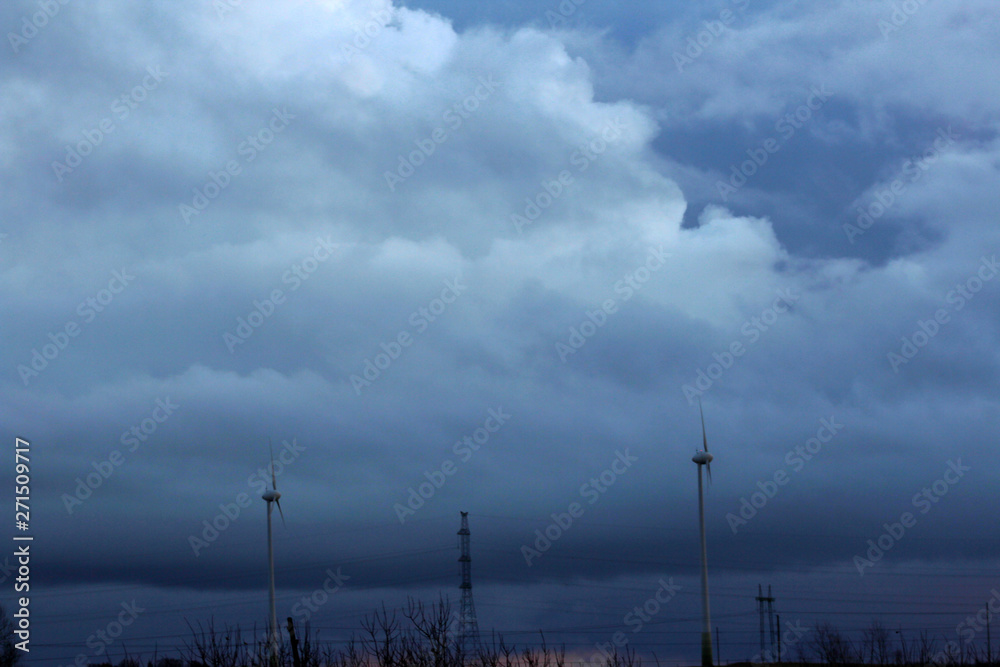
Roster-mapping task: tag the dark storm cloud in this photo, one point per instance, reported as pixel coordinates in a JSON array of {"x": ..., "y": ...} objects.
[{"x": 366, "y": 230}]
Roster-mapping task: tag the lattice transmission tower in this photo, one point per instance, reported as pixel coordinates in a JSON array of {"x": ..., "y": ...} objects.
[
  {"x": 468, "y": 626},
  {"x": 765, "y": 607}
]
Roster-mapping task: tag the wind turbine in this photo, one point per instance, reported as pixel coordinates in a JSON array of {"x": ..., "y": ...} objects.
[
  {"x": 703, "y": 458},
  {"x": 272, "y": 496}
]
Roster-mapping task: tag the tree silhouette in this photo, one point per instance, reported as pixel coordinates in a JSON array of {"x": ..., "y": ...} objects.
[{"x": 9, "y": 655}]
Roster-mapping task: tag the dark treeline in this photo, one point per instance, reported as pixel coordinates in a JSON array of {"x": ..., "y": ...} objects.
[
  {"x": 426, "y": 636},
  {"x": 877, "y": 645}
]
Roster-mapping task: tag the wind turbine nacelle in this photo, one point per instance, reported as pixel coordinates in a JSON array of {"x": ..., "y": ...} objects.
[
  {"x": 271, "y": 495},
  {"x": 702, "y": 458}
]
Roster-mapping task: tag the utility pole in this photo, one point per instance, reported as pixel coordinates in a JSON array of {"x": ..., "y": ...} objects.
[
  {"x": 779, "y": 639},
  {"x": 989, "y": 645},
  {"x": 468, "y": 628},
  {"x": 296, "y": 660},
  {"x": 760, "y": 613},
  {"x": 770, "y": 615}
]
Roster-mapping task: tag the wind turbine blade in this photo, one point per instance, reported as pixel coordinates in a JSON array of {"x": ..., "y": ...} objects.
[
  {"x": 708, "y": 468},
  {"x": 704, "y": 438},
  {"x": 278, "y": 503},
  {"x": 270, "y": 450}
]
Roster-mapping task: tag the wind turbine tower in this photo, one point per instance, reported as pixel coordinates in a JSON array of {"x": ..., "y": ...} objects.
[
  {"x": 271, "y": 496},
  {"x": 468, "y": 629},
  {"x": 703, "y": 458}
]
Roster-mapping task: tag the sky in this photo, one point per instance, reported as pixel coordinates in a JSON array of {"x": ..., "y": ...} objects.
[{"x": 489, "y": 257}]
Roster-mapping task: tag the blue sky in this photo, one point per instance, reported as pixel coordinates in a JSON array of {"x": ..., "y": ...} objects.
[{"x": 493, "y": 248}]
